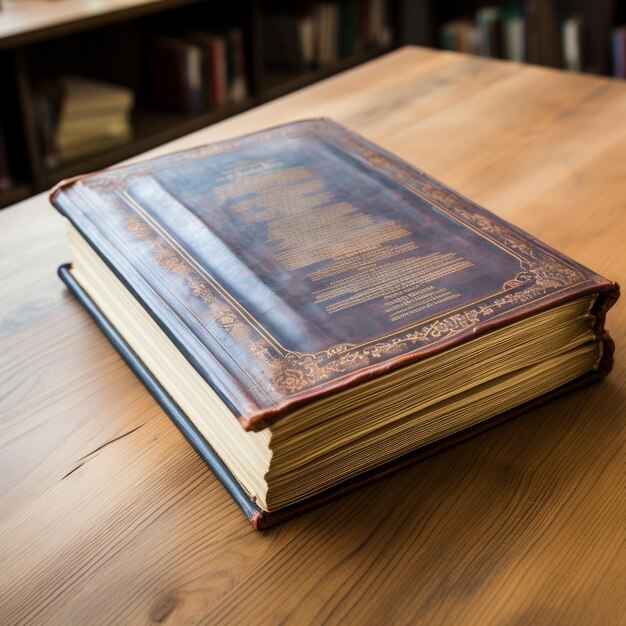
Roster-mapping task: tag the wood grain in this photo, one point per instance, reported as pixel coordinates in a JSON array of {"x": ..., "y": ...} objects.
[{"x": 107, "y": 515}]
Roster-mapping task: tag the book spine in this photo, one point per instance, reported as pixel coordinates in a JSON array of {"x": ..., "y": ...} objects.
[
  {"x": 571, "y": 44},
  {"x": 238, "y": 85},
  {"x": 5, "y": 173},
  {"x": 194, "y": 82},
  {"x": 618, "y": 48}
]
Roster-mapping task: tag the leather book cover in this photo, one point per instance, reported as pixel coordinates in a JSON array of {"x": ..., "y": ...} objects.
[{"x": 303, "y": 260}]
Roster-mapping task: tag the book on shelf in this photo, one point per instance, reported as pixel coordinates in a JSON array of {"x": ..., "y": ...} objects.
[
  {"x": 489, "y": 27},
  {"x": 225, "y": 65},
  {"x": 491, "y": 33},
  {"x": 379, "y": 30},
  {"x": 215, "y": 69},
  {"x": 543, "y": 32},
  {"x": 6, "y": 180},
  {"x": 237, "y": 75},
  {"x": 544, "y": 36},
  {"x": 313, "y": 312},
  {"x": 289, "y": 41},
  {"x": 514, "y": 33},
  {"x": 618, "y": 51},
  {"x": 520, "y": 32},
  {"x": 199, "y": 72},
  {"x": 460, "y": 36},
  {"x": 305, "y": 39},
  {"x": 77, "y": 116},
  {"x": 572, "y": 43},
  {"x": 177, "y": 78}
]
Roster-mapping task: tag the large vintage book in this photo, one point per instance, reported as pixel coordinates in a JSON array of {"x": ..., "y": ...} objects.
[{"x": 313, "y": 312}]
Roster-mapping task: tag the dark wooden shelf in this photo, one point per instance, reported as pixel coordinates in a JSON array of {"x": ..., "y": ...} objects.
[{"x": 279, "y": 82}]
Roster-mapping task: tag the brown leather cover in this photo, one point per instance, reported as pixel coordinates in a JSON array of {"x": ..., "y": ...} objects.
[{"x": 301, "y": 260}]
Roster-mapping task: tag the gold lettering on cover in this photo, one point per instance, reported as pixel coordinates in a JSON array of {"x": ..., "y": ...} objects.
[{"x": 353, "y": 256}]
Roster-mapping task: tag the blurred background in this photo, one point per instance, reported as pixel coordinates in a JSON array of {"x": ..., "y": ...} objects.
[{"x": 87, "y": 83}]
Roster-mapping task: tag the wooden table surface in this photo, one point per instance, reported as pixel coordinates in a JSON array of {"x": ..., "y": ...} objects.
[{"x": 108, "y": 516}]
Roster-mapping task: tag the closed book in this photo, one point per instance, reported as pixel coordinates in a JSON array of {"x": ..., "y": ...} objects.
[
  {"x": 514, "y": 34},
  {"x": 215, "y": 67},
  {"x": 572, "y": 43},
  {"x": 83, "y": 148},
  {"x": 460, "y": 36},
  {"x": 96, "y": 126},
  {"x": 489, "y": 23},
  {"x": 85, "y": 98},
  {"x": 289, "y": 41},
  {"x": 177, "y": 76},
  {"x": 6, "y": 181},
  {"x": 544, "y": 36},
  {"x": 238, "y": 81},
  {"x": 326, "y": 16},
  {"x": 313, "y": 312},
  {"x": 618, "y": 51}
]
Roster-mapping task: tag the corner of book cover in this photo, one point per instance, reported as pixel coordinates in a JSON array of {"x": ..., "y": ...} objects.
[
  {"x": 605, "y": 301},
  {"x": 259, "y": 521}
]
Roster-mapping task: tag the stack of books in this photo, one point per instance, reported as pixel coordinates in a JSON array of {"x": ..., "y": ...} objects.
[
  {"x": 93, "y": 116},
  {"x": 199, "y": 72},
  {"x": 328, "y": 32},
  {"x": 314, "y": 313},
  {"x": 77, "y": 117}
]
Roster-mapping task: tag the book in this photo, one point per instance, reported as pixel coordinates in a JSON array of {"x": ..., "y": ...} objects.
[
  {"x": 618, "y": 51},
  {"x": 77, "y": 116},
  {"x": 213, "y": 47},
  {"x": 177, "y": 76},
  {"x": 303, "y": 38},
  {"x": 489, "y": 25},
  {"x": 380, "y": 34},
  {"x": 572, "y": 43},
  {"x": 45, "y": 113},
  {"x": 289, "y": 41},
  {"x": 313, "y": 312},
  {"x": 326, "y": 20},
  {"x": 6, "y": 180},
  {"x": 543, "y": 32},
  {"x": 238, "y": 77},
  {"x": 84, "y": 98},
  {"x": 514, "y": 34},
  {"x": 459, "y": 36}
]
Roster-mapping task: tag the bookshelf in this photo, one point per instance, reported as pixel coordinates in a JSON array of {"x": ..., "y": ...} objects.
[
  {"x": 110, "y": 41},
  {"x": 456, "y": 25}
]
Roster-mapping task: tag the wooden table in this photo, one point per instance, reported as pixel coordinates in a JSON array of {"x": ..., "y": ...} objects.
[{"x": 108, "y": 516}]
